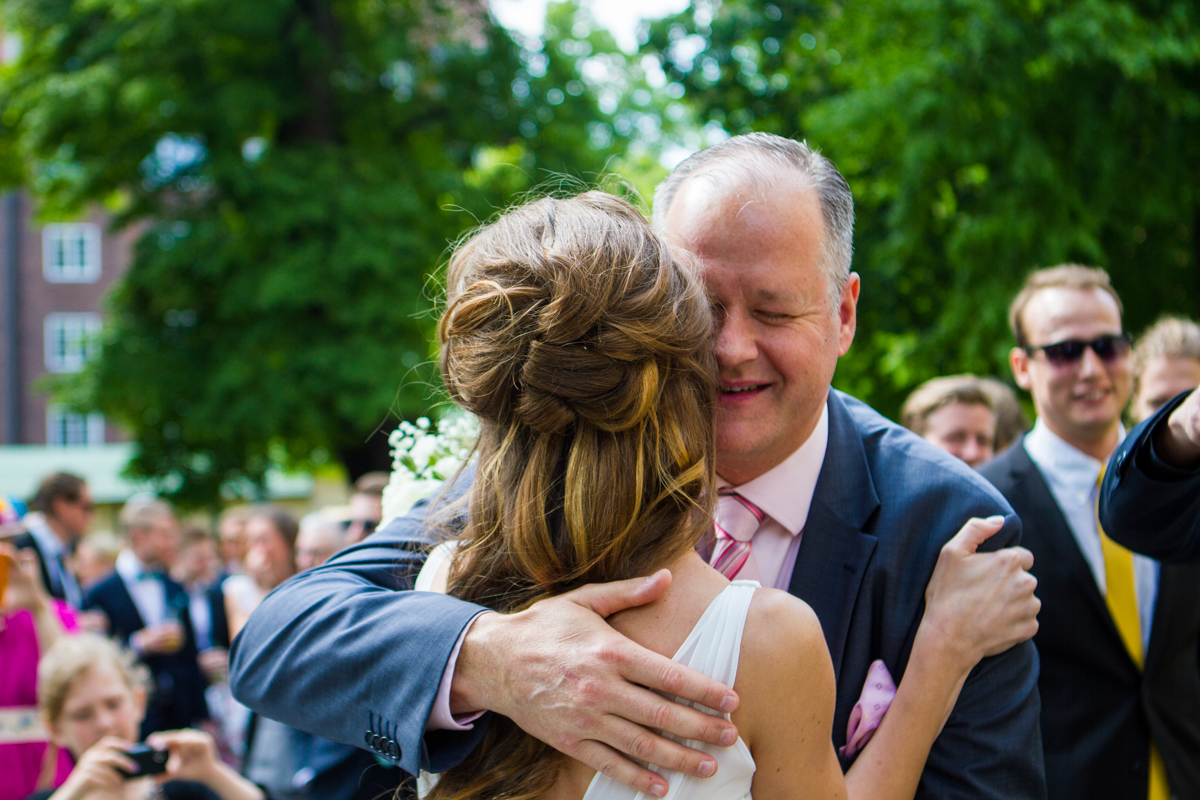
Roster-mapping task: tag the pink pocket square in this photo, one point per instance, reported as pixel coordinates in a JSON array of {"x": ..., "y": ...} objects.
[{"x": 877, "y": 695}]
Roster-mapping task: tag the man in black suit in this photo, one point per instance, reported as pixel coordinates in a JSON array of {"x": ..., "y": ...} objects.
[
  {"x": 148, "y": 612},
  {"x": 63, "y": 510},
  {"x": 1120, "y": 683}
]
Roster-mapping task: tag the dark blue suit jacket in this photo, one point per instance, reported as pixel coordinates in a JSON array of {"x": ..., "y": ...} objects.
[
  {"x": 338, "y": 651},
  {"x": 1147, "y": 505},
  {"x": 177, "y": 697}
]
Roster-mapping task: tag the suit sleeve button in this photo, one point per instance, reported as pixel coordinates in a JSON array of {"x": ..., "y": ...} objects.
[{"x": 367, "y": 738}]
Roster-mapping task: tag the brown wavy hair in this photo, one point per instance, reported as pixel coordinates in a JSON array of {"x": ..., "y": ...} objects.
[{"x": 585, "y": 350}]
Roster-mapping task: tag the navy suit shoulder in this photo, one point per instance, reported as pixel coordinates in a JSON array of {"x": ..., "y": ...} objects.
[
  {"x": 1148, "y": 506},
  {"x": 885, "y": 504},
  {"x": 392, "y": 647}
]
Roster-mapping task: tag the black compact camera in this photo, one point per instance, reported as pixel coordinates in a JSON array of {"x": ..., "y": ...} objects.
[{"x": 149, "y": 761}]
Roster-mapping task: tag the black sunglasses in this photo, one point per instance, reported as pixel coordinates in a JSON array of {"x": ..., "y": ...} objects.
[{"x": 1108, "y": 348}]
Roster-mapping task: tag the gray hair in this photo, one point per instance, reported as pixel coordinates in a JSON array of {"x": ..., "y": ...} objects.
[
  {"x": 319, "y": 522},
  {"x": 755, "y": 158}
]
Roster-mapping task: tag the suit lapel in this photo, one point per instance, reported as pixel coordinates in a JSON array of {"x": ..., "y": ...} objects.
[
  {"x": 835, "y": 551},
  {"x": 1028, "y": 480}
]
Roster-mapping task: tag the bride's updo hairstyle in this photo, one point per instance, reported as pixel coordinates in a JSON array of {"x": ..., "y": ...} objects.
[{"x": 585, "y": 350}]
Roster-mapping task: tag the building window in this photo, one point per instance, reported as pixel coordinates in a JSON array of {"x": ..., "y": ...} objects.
[
  {"x": 70, "y": 340},
  {"x": 68, "y": 429},
  {"x": 71, "y": 252}
]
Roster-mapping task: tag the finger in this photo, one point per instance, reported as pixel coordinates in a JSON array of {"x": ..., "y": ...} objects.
[
  {"x": 645, "y": 708},
  {"x": 649, "y": 669},
  {"x": 608, "y": 598},
  {"x": 605, "y": 760},
  {"x": 648, "y": 746},
  {"x": 976, "y": 532}
]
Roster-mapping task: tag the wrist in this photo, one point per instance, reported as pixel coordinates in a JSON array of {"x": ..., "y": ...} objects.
[
  {"x": 941, "y": 647},
  {"x": 473, "y": 671}
]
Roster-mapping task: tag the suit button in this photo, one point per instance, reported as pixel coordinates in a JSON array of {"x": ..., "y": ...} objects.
[
  {"x": 367, "y": 738},
  {"x": 394, "y": 750}
]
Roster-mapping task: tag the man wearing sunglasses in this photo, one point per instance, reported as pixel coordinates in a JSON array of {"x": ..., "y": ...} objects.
[{"x": 1118, "y": 632}]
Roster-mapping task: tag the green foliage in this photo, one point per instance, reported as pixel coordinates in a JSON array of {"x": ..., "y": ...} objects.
[
  {"x": 981, "y": 138},
  {"x": 297, "y": 168}
]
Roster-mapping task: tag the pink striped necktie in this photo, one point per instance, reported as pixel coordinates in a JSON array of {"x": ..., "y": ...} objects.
[{"x": 736, "y": 522}]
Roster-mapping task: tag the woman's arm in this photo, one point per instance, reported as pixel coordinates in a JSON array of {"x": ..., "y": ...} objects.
[
  {"x": 977, "y": 604},
  {"x": 785, "y": 680},
  {"x": 25, "y": 590}
]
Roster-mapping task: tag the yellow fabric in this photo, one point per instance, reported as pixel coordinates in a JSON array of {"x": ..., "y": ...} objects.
[{"x": 1122, "y": 603}]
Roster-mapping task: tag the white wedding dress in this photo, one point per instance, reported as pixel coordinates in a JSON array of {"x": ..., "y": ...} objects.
[{"x": 712, "y": 649}]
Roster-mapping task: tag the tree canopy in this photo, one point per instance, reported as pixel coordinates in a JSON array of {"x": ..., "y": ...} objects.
[
  {"x": 298, "y": 168},
  {"x": 981, "y": 139}
]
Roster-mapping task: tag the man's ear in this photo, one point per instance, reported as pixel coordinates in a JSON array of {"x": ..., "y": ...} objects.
[
  {"x": 1018, "y": 359},
  {"x": 848, "y": 313}
]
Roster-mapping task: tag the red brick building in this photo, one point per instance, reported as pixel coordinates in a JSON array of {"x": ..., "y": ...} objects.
[{"x": 53, "y": 279}]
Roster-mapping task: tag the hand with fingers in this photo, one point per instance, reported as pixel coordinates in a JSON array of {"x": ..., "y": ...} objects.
[
  {"x": 981, "y": 604},
  {"x": 24, "y": 589},
  {"x": 96, "y": 775},
  {"x": 564, "y": 676}
]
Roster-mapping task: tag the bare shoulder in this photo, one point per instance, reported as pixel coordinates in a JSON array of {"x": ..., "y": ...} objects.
[
  {"x": 784, "y": 662},
  {"x": 780, "y": 624}
]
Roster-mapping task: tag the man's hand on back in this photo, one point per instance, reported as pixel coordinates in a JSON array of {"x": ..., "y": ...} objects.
[
  {"x": 564, "y": 676},
  {"x": 1178, "y": 442}
]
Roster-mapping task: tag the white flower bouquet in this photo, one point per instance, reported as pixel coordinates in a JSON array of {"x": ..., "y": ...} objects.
[{"x": 424, "y": 456}]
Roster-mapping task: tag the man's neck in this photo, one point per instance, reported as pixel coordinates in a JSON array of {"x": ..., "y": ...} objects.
[
  {"x": 1099, "y": 446},
  {"x": 737, "y": 470}
]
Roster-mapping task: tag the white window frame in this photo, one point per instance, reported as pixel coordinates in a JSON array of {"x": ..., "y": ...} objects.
[
  {"x": 70, "y": 340},
  {"x": 69, "y": 429},
  {"x": 54, "y": 244}
]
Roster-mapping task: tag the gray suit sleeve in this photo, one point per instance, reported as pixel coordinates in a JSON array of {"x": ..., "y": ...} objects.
[
  {"x": 1148, "y": 505},
  {"x": 991, "y": 747},
  {"x": 346, "y": 652}
]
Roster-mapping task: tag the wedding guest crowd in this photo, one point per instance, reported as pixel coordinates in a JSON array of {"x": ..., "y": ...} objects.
[{"x": 157, "y": 591}]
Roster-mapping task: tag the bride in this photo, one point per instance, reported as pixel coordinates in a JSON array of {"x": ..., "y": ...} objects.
[{"x": 584, "y": 348}]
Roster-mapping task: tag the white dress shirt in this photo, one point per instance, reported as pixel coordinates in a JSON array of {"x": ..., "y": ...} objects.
[
  {"x": 1073, "y": 477},
  {"x": 148, "y": 592}
]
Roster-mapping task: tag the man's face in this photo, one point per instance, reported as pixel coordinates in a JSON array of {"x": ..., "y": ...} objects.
[
  {"x": 1081, "y": 401},
  {"x": 777, "y": 339},
  {"x": 74, "y": 517},
  {"x": 965, "y": 431},
  {"x": 157, "y": 543},
  {"x": 197, "y": 564},
  {"x": 1162, "y": 378},
  {"x": 233, "y": 540},
  {"x": 314, "y": 546}
]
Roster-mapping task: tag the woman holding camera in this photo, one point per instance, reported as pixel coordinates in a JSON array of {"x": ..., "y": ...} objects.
[{"x": 92, "y": 698}]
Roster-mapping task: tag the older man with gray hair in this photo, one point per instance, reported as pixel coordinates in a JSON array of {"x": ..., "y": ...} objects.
[
  {"x": 855, "y": 512},
  {"x": 319, "y": 538}
]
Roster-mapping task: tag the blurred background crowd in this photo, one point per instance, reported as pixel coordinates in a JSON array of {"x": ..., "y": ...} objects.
[{"x": 172, "y": 594}]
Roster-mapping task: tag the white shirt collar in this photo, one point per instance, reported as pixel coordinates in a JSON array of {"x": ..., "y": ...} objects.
[
  {"x": 129, "y": 567},
  {"x": 1063, "y": 464},
  {"x": 44, "y": 535},
  {"x": 785, "y": 492}
]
